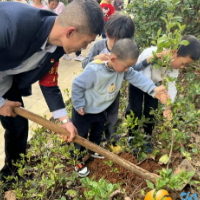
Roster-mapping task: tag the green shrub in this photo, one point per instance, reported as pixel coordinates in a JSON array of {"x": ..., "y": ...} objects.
[{"x": 147, "y": 17}]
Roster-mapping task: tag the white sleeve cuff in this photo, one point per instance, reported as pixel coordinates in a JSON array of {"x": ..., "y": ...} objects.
[
  {"x": 59, "y": 113},
  {"x": 2, "y": 101}
]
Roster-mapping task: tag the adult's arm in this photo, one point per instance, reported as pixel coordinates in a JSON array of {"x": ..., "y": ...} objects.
[
  {"x": 7, "y": 36},
  {"x": 52, "y": 93},
  {"x": 54, "y": 99}
]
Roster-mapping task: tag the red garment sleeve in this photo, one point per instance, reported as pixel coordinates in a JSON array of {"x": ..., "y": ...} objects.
[
  {"x": 112, "y": 10},
  {"x": 51, "y": 78}
]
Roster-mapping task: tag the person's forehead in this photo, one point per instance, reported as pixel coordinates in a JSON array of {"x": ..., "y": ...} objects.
[{"x": 187, "y": 59}]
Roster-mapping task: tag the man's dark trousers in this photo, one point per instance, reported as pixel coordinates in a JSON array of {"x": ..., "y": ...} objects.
[{"x": 15, "y": 135}]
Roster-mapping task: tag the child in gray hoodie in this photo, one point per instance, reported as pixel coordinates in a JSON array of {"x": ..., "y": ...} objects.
[
  {"x": 97, "y": 87},
  {"x": 118, "y": 27}
]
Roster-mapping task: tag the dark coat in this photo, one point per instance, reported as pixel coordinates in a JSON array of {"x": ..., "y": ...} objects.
[{"x": 24, "y": 29}]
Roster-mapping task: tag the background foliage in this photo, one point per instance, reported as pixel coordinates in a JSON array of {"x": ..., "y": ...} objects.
[{"x": 147, "y": 15}]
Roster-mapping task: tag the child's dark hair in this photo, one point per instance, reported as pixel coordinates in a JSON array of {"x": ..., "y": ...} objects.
[
  {"x": 192, "y": 49},
  {"x": 125, "y": 49},
  {"x": 53, "y": 0},
  {"x": 120, "y": 26}
]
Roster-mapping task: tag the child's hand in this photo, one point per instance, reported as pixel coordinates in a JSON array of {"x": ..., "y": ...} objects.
[
  {"x": 159, "y": 55},
  {"x": 81, "y": 111},
  {"x": 162, "y": 97},
  {"x": 103, "y": 57},
  {"x": 167, "y": 113},
  {"x": 160, "y": 89}
]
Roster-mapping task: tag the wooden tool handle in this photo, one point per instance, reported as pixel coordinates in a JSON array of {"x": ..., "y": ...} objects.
[{"x": 87, "y": 144}]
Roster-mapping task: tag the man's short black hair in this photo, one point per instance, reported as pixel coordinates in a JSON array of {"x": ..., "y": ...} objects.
[
  {"x": 120, "y": 26},
  {"x": 94, "y": 15},
  {"x": 192, "y": 49},
  {"x": 85, "y": 15},
  {"x": 125, "y": 49}
]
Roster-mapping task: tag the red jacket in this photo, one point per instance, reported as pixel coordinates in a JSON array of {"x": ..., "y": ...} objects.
[{"x": 108, "y": 10}]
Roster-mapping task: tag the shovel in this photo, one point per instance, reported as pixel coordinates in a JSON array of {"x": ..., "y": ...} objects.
[
  {"x": 93, "y": 147},
  {"x": 87, "y": 144}
]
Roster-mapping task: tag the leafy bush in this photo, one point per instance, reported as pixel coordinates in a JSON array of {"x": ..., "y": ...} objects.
[
  {"x": 98, "y": 190},
  {"x": 147, "y": 17}
]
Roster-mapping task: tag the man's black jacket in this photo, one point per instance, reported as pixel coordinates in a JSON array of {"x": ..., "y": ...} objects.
[{"x": 23, "y": 31}]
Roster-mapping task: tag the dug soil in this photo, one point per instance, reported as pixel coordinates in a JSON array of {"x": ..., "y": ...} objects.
[{"x": 130, "y": 182}]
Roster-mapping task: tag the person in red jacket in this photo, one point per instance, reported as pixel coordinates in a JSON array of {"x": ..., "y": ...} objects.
[{"x": 108, "y": 10}]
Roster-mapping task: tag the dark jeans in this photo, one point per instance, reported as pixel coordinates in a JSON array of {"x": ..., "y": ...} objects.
[
  {"x": 111, "y": 114},
  {"x": 78, "y": 53},
  {"x": 16, "y": 133},
  {"x": 136, "y": 99},
  {"x": 104, "y": 33},
  {"x": 92, "y": 122}
]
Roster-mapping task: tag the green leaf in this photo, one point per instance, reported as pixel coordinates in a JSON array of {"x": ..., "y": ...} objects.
[
  {"x": 164, "y": 19},
  {"x": 72, "y": 193},
  {"x": 169, "y": 102},
  {"x": 150, "y": 184},
  {"x": 91, "y": 193},
  {"x": 191, "y": 173},
  {"x": 59, "y": 166},
  {"x": 110, "y": 187},
  {"x": 167, "y": 2},
  {"x": 164, "y": 159},
  {"x": 184, "y": 42},
  {"x": 154, "y": 54},
  {"x": 159, "y": 32}
]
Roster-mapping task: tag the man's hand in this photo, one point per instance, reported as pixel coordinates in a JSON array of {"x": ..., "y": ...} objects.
[
  {"x": 81, "y": 111},
  {"x": 167, "y": 113},
  {"x": 103, "y": 57},
  {"x": 162, "y": 97},
  {"x": 7, "y": 109},
  {"x": 72, "y": 130}
]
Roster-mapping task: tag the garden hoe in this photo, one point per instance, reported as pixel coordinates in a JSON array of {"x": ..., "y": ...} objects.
[{"x": 87, "y": 144}]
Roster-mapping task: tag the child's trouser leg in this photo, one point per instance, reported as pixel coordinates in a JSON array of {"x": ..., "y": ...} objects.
[
  {"x": 78, "y": 53},
  {"x": 83, "y": 125},
  {"x": 135, "y": 104},
  {"x": 104, "y": 33},
  {"x": 149, "y": 104},
  {"x": 97, "y": 128},
  {"x": 111, "y": 119}
]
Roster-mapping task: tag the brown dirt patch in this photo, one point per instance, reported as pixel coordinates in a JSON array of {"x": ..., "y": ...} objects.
[{"x": 129, "y": 181}]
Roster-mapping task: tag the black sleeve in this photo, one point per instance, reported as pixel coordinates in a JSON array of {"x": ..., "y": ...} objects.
[
  {"x": 141, "y": 65},
  {"x": 53, "y": 97},
  {"x": 8, "y": 32}
]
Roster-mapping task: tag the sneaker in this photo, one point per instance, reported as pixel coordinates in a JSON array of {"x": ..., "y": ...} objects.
[
  {"x": 148, "y": 147},
  {"x": 67, "y": 57},
  {"x": 96, "y": 155},
  {"x": 81, "y": 169},
  {"x": 130, "y": 141},
  {"x": 79, "y": 58}
]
